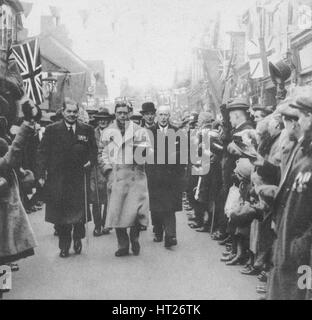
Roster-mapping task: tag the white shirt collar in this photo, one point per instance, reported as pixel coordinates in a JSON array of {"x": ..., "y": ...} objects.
[{"x": 71, "y": 125}]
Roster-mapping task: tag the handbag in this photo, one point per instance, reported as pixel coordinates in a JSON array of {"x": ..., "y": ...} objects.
[{"x": 233, "y": 201}]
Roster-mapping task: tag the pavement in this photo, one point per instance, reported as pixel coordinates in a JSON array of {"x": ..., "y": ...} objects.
[{"x": 191, "y": 270}]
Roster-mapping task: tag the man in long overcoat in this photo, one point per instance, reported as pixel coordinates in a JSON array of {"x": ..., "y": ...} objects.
[
  {"x": 165, "y": 182},
  {"x": 128, "y": 202},
  {"x": 66, "y": 151}
]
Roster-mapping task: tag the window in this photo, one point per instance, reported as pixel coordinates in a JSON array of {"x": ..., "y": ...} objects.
[{"x": 7, "y": 26}]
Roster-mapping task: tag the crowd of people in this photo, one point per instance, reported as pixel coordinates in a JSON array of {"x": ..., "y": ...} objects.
[{"x": 252, "y": 196}]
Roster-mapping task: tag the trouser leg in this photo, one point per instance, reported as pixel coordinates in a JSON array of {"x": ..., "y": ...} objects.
[
  {"x": 158, "y": 223},
  {"x": 96, "y": 212},
  {"x": 122, "y": 238},
  {"x": 104, "y": 214},
  {"x": 64, "y": 231},
  {"x": 134, "y": 234},
  {"x": 79, "y": 231},
  {"x": 170, "y": 225}
]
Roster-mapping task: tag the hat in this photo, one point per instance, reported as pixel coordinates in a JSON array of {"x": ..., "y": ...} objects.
[
  {"x": 193, "y": 117},
  {"x": 279, "y": 70},
  {"x": 46, "y": 117},
  {"x": 136, "y": 116},
  {"x": 243, "y": 168},
  {"x": 102, "y": 114},
  {"x": 286, "y": 110},
  {"x": 265, "y": 109},
  {"x": 58, "y": 115},
  {"x": 205, "y": 117},
  {"x": 238, "y": 104},
  {"x": 302, "y": 103},
  {"x": 148, "y": 107}
]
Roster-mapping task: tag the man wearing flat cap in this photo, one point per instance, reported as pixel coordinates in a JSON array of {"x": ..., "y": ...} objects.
[
  {"x": 67, "y": 150},
  {"x": 292, "y": 212}
]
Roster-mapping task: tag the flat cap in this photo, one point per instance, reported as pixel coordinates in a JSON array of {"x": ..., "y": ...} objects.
[
  {"x": 285, "y": 109},
  {"x": 238, "y": 104}
]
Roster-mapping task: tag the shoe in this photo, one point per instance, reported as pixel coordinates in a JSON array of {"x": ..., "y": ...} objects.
[
  {"x": 158, "y": 239},
  {"x": 225, "y": 241},
  {"x": 251, "y": 271},
  {"x": 106, "y": 231},
  {"x": 136, "y": 248},
  {"x": 221, "y": 236},
  {"x": 226, "y": 253},
  {"x": 194, "y": 225},
  {"x": 169, "y": 242},
  {"x": 203, "y": 229},
  {"x": 263, "y": 277},
  {"x": 261, "y": 289},
  {"x": 77, "y": 246},
  {"x": 228, "y": 258},
  {"x": 64, "y": 253},
  {"x": 97, "y": 232},
  {"x": 122, "y": 252},
  {"x": 236, "y": 260}
]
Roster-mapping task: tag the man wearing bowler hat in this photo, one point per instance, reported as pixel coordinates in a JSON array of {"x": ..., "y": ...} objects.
[
  {"x": 148, "y": 113},
  {"x": 67, "y": 150},
  {"x": 98, "y": 197}
]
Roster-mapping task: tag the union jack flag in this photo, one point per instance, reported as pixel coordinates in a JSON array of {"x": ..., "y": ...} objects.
[{"x": 27, "y": 56}]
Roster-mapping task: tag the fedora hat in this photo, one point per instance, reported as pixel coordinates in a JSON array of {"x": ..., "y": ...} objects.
[
  {"x": 279, "y": 70},
  {"x": 102, "y": 114},
  {"x": 148, "y": 107}
]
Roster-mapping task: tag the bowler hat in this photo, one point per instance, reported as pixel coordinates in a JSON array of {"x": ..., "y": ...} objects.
[
  {"x": 148, "y": 107},
  {"x": 238, "y": 104},
  {"x": 279, "y": 70}
]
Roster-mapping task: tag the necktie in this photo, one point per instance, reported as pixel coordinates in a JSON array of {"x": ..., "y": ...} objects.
[{"x": 71, "y": 132}]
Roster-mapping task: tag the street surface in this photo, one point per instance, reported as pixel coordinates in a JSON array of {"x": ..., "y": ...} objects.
[{"x": 192, "y": 270}]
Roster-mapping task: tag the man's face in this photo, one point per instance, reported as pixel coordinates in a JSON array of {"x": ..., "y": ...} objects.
[
  {"x": 258, "y": 116},
  {"x": 292, "y": 127},
  {"x": 163, "y": 118},
  {"x": 70, "y": 113},
  {"x": 122, "y": 114},
  {"x": 103, "y": 123},
  {"x": 305, "y": 120},
  {"x": 149, "y": 117},
  {"x": 233, "y": 118}
]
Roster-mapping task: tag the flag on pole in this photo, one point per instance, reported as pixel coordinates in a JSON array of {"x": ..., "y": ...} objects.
[{"x": 27, "y": 56}]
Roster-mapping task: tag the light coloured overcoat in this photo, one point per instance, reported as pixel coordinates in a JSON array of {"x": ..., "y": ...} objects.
[{"x": 127, "y": 192}]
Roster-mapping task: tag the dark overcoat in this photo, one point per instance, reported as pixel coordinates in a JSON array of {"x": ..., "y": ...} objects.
[
  {"x": 62, "y": 158},
  {"x": 292, "y": 215},
  {"x": 165, "y": 180}
]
